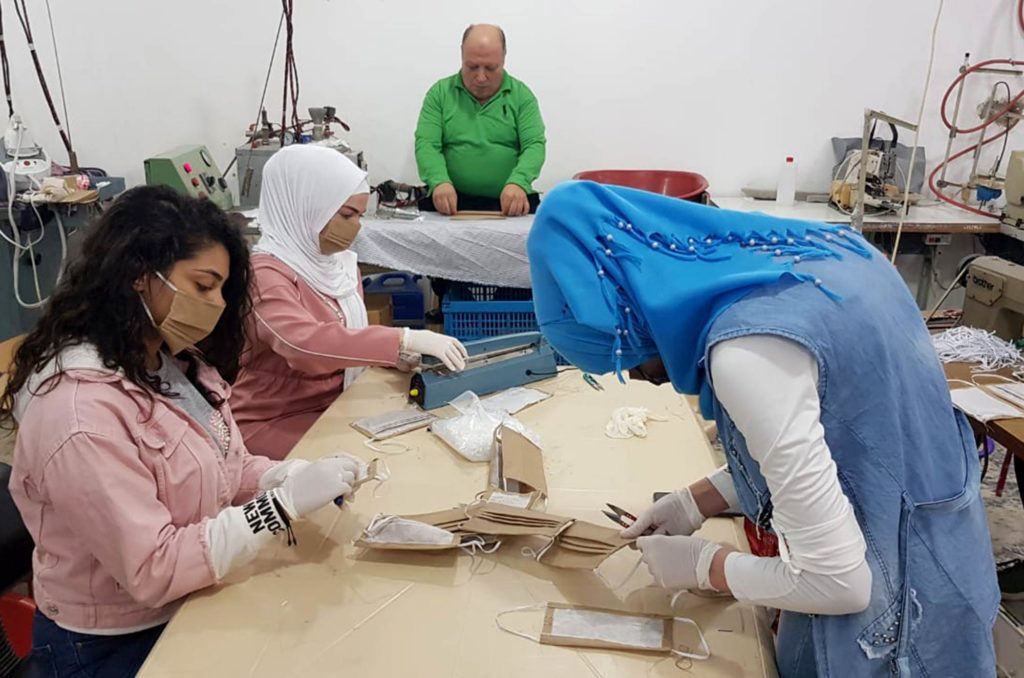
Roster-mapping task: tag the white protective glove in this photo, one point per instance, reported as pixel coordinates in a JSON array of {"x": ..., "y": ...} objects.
[
  {"x": 317, "y": 484},
  {"x": 448, "y": 350},
  {"x": 236, "y": 534},
  {"x": 679, "y": 562},
  {"x": 278, "y": 473},
  {"x": 674, "y": 514}
]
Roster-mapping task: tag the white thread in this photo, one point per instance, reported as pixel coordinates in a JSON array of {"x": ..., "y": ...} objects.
[
  {"x": 523, "y": 608},
  {"x": 373, "y": 443}
]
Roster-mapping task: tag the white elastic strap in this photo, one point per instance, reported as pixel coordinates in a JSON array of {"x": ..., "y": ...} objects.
[
  {"x": 477, "y": 547},
  {"x": 333, "y": 356},
  {"x": 972, "y": 345},
  {"x": 381, "y": 446},
  {"x": 383, "y": 474},
  {"x": 705, "y": 650},
  {"x": 537, "y": 555},
  {"x": 625, "y": 580},
  {"x": 524, "y": 608}
]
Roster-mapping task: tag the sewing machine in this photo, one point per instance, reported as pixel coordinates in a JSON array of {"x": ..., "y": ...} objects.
[
  {"x": 494, "y": 364},
  {"x": 995, "y": 297}
]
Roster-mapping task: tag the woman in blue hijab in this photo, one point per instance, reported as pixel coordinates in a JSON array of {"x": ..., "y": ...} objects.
[{"x": 805, "y": 346}]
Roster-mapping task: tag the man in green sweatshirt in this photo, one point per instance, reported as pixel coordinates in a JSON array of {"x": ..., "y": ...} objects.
[{"x": 480, "y": 137}]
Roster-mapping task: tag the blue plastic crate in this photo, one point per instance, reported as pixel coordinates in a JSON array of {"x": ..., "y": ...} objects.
[{"x": 482, "y": 311}]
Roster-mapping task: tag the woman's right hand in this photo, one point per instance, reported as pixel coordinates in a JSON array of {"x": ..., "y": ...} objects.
[
  {"x": 674, "y": 514},
  {"x": 448, "y": 350}
]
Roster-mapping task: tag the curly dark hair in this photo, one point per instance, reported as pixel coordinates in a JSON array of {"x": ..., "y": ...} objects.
[{"x": 146, "y": 230}]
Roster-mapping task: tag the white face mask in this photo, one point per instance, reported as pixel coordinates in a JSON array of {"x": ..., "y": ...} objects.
[
  {"x": 400, "y": 531},
  {"x": 588, "y": 627},
  {"x": 391, "y": 424},
  {"x": 980, "y": 405}
]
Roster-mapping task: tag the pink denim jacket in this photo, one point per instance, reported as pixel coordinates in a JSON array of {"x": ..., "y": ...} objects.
[
  {"x": 117, "y": 501},
  {"x": 294, "y": 365}
]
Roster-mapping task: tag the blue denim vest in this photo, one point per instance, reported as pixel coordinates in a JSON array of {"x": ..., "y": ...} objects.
[{"x": 907, "y": 462}]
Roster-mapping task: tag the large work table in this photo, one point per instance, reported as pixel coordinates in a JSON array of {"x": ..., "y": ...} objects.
[
  {"x": 493, "y": 251},
  {"x": 328, "y": 608}
]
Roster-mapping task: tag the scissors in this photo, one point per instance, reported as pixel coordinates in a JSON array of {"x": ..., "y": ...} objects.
[
  {"x": 619, "y": 516},
  {"x": 589, "y": 378}
]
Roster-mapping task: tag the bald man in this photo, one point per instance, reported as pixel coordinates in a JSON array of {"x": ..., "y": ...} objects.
[{"x": 480, "y": 138}]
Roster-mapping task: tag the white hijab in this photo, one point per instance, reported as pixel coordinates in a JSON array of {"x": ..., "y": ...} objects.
[{"x": 303, "y": 186}]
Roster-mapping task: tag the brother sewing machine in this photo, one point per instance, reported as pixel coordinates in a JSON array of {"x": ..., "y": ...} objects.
[
  {"x": 494, "y": 364},
  {"x": 995, "y": 297}
]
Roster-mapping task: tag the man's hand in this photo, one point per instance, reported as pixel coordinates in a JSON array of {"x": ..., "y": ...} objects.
[
  {"x": 446, "y": 201},
  {"x": 514, "y": 202}
]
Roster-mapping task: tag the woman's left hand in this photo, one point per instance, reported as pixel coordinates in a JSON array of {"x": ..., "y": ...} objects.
[{"x": 678, "y": 562}]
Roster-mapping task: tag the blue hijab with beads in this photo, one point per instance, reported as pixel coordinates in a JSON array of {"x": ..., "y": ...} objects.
[{"x": 621, "y": 276}]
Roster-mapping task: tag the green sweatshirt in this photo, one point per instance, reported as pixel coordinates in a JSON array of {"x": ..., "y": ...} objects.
[{"x": 480, "y": 148}]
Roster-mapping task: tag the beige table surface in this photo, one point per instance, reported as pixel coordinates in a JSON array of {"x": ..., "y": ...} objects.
[{"x": 326, "y": 608}]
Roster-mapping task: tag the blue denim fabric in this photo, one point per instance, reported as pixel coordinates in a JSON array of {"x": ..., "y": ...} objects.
[
  {"x": 57, "y": 653},
  {"x": 905, "y": 459}
]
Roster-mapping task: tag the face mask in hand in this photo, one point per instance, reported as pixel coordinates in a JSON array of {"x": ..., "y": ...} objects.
[
  {"x": 573, "y": 626},
  {"x": 403, "y": 534},
  {"x": 188, "y": 321},
  {"x": 399, "y": 533}
]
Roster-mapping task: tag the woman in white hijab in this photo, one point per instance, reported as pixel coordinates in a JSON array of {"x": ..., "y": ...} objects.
[{"x": 308, "y": 339}]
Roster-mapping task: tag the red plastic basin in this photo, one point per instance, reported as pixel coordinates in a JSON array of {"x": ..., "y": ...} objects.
[{"x": 674, "y": 183}]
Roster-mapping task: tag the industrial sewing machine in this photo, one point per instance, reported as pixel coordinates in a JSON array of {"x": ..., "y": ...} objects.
[
  {"x": 494, "y": 364},
  {"x": 995, "y": 297}
]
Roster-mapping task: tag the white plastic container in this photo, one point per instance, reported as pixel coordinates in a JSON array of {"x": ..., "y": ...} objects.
[{"x": 785, "y": 192}]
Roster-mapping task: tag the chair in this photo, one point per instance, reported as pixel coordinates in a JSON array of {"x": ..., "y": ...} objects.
[
  {"x": 674, "y": 183},
  {"x": 15, "y": 541}
]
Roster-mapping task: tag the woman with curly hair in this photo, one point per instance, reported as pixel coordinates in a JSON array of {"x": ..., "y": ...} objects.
[{"x": 129, "y": 470}]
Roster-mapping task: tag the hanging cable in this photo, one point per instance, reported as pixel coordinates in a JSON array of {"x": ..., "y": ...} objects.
[
  {"x": 60, "y": 73},
  {"x": 917, "y": 133},
  {"x": 22, "y": 11},
  {"x": 5, "y": 66},
  {"x": 291, "y": 76},
  {"x": 263, "y": 97}
]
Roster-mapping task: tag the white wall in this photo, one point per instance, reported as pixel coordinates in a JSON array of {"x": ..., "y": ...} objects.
[{"x": 726, "y": 88}]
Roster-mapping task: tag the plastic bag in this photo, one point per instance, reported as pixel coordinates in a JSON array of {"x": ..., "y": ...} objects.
[{"x": 471, "y": 432}]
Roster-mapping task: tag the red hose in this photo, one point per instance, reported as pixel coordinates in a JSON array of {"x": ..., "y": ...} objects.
[
  {"x": 1006, "y": 109},
  {"x": 1020, "y": 14},
  {"x": 957, "y": 203}
]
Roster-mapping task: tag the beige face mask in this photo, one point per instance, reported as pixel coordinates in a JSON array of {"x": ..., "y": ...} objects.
[
  {"x": 188, "y": 321},
  {"x": 340, "y": 233}
]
